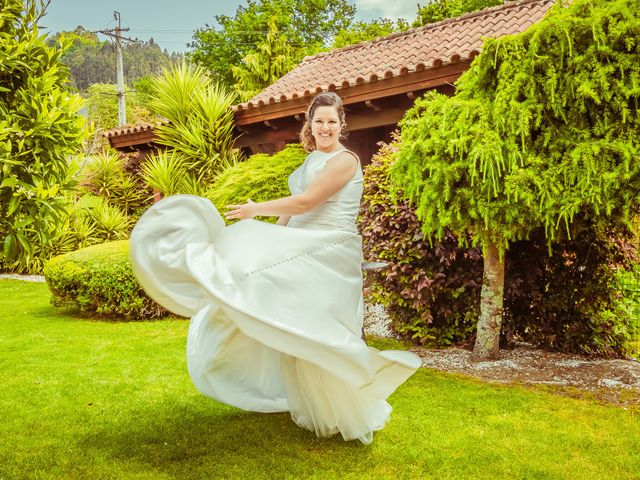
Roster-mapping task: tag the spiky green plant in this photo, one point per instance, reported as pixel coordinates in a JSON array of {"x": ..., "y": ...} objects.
[
  {"x": 110, "y": 222},
  {"x": 104, "y": 174},
  {"x": 200, "y": 119},
  {"x": 166, "y": 172}
]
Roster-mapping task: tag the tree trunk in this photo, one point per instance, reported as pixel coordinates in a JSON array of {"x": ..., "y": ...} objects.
[{"x": 487, "y": 346}]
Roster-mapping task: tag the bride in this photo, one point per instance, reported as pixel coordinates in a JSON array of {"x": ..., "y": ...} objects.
[{"x": 276, "y": 313}]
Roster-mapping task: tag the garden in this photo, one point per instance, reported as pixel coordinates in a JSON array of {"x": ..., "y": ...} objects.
[{"x": 507, "y": 214}]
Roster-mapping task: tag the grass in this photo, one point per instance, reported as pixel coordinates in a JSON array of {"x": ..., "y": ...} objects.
[{"x": 90, "y": 399}]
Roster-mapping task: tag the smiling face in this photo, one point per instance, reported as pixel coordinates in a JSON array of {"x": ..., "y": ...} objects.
[{"x": 325, "y": 128}]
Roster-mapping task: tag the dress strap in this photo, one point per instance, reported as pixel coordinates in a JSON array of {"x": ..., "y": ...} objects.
[{"x": 333, "y": 154}]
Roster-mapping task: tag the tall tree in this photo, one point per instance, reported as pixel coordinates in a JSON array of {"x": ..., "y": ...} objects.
[
  {"x": 437, "y": 10},
  {"x": 543, "y": 133},
  {"x": 309, "y": 25},
  {"x": 272, "y": 59},
  {"x": 92, "y": 60},
  {"x": 362, "y": 31},
  {"x": 39, "y": 128}
]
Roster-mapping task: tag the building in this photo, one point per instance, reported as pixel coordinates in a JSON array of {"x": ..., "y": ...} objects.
[{"x": 377, "y": 81}]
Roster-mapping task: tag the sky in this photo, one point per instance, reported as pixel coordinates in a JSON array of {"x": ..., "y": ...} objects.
[{"x": 171, "y": 23}]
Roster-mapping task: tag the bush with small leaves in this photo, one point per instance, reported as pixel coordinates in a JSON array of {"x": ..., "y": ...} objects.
[
  {"x": 261, "y": 177},
  {"x": 99, "y": 280},
  {"x": 431, "y": 292}
]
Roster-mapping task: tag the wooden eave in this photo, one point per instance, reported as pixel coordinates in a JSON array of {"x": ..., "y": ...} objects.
[
  {"x": 133, "y": 140},
  {"x": 373, "y": 90}
]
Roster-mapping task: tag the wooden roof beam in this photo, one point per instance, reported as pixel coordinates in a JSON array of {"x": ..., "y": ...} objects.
[{"x": 372, "y": 105}]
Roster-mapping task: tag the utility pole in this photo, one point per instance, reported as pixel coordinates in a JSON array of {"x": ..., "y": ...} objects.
[{"x": 122, "y": 112}]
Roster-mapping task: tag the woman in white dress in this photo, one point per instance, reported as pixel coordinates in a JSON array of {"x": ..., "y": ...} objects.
[{"x": 276, "y": 310}]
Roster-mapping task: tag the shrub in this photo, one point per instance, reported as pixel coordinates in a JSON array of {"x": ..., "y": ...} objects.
[
  {"x": 578, "y": 299},
  {"x": 99, "y": 279},
  {"x": 105, "y": 175},
  {"x": 431, "y": 292},
  {"x": 39, "y": 129},
  {"x": 575, "y": 299},
  {"x": 261, "y": 177},
  {"x": 166, "y": 172}
]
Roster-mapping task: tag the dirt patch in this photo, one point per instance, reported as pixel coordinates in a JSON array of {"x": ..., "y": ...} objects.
[{"x": 614, "y": 381}]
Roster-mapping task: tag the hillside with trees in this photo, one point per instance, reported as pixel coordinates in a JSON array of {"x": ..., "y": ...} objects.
[{"x": 91, "y": 60}]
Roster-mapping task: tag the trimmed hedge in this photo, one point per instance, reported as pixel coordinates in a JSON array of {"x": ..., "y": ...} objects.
[
  {"x": 261, "y": 177},
  {"x": 99, "y": 279}
]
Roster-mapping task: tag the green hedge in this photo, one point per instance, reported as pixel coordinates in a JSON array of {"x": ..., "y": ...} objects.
[
  {"x": 261, "y": 177},
  {"x": 99, "y": 279}
]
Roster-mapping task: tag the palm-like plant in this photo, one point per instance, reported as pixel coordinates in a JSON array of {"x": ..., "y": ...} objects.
[
  {"x": 200, "y": 126},
  {"x": 104, "y": 174},
  {"x": 165, "y": 172},
  {"x": 110, "y": 222}
]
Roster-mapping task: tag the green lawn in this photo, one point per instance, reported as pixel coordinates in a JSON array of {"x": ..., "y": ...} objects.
[{"x": 89, "y": 399}]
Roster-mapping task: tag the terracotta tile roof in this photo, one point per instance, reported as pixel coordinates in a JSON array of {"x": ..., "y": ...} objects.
[
  {"x": 129, "y": 129},
  {"x": 428, "y": 47}
]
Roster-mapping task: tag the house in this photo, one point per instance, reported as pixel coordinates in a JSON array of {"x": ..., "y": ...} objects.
[{"x": 377, "y": 80}]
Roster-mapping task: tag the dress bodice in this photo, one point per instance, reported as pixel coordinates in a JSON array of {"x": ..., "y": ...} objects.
[{"x": 340, "y": 211}]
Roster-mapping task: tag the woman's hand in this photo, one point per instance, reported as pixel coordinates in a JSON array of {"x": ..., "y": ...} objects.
[{"x": 241, "y": 212}]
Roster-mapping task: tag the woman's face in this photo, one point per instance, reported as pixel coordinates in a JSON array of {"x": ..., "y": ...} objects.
[{"x": 325, "y": 128}]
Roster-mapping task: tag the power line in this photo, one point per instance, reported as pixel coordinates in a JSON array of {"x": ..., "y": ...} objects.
[{"x": 115, "y": 33}]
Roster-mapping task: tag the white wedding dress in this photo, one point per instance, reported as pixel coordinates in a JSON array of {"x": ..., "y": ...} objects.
[{"x": 276, "y": 312}]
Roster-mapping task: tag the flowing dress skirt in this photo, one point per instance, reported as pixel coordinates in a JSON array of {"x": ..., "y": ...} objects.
[{"x": 276, "y": 315}]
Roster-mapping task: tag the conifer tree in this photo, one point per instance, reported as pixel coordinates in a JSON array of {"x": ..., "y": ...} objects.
[
  {"x": 259, "y": 69},
  {"x": 543, "y": 132}
]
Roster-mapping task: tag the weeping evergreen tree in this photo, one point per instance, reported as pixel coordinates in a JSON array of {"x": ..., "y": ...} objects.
[
  {"x": 273, "y": 58},
  {"x": 542, "y": 133}
]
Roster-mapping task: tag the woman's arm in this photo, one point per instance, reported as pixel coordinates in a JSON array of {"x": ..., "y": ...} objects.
[{"x": 339, "y": 170}]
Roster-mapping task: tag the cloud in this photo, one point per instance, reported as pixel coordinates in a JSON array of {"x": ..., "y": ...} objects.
[{"x": 372, "y": 9}]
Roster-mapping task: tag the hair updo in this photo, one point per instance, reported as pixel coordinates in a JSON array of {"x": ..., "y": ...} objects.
[{"x": 326, "y": 99}]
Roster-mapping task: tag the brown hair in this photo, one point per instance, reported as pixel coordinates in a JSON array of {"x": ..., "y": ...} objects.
[{"x": 325, "y": 99}]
